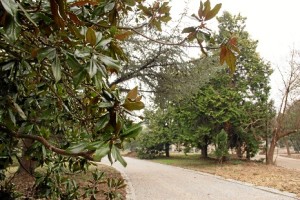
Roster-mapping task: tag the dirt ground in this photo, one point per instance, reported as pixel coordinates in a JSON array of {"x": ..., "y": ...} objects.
[
  {"x": 261, "y": 175},
  {"x": 295, "y": 156},
  {"x": 23, "y": 184}
]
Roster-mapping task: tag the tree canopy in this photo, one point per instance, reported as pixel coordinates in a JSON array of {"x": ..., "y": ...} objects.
[
  {"x": 236, "y": 103},
  {"x": 58, "y": 103}
]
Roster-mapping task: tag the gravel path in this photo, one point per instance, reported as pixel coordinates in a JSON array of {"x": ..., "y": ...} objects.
[
  {"x": 283, "y": 161},
  {"x": 289, "y": 163},
  {"x": 153, "y": 181}
]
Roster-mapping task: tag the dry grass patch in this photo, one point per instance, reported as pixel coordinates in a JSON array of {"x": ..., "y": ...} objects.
[{"x": 246, "y": 171}]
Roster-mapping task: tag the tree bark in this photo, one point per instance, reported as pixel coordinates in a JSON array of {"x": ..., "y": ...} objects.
[
  {"x": 239, "y": 152},
  {"x": 248, "y": 155},
  {"x": 167, "y": 149},
  {"x": 271, "y": 151},
  {"x": 27, "y": 165},
  {"x": 204, "y": 153},
  {"x": 287, "y": 147}
]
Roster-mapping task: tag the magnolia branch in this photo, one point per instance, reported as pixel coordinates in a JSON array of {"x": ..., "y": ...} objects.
[{"x": 43, "y": 141}]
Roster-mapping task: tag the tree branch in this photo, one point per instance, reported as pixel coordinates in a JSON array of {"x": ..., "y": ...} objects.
[
  {"x": 286, "y": 133},
  {"x": 131, "y": 74},
  {"x": 43, "y": 141},
  {"x": 162, "y": 42}
]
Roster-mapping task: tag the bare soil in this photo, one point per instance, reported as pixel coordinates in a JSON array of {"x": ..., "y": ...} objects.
[
  {"x": 261, "y": 175},
  {"x": 295, "y": 156},
  {"x": 24, "y": 183}
]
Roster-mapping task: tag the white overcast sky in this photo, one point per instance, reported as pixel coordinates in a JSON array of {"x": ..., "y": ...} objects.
[{"x": 274, "y": 23}]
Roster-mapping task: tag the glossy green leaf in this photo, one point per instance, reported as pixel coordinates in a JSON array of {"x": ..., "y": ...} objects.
[
  {"x": 164, "y": 9},
  {"x": 90, "y": 36},
  {"x": 12, "y": 116},
  {"x": 133, "y": 131},
  {"x": 157, "y": 25},
  {"x": 41, "y": 16},
  {"x": 10, "y": 6},
  {"x": 44, "y": 152},
  {"x": 97, "y": 80},
  {"x": 78, "y": 77},
  {"x": 109, "y": 7},
  {"x": 95, "y": 145},
  {"x": 19, "y": 111},
  {"x": 103, "y": 121},
  {"x": 188, "y": 30},
  {"x": 165, "y": 18},
  {"x": 47, "y": 52},
  {"x": 101, "y": 152},
  {"x": 82, "y": 53},
  {"x": 8, "y": 66},
  {"x": 27, "y": 15},
  {"x": 98, "y": 37},
  {"x": 106, "y": 105},
  {"x": 77, "y": 148},
  {"x": 111, "y": 63},
  {"x": 103, "y": 43},
  {"x": 93, "y": 66},
  {"x": 12, "y": 30},
  {"x": 56, "y": 69},
  {"x": 73, "y": 63},
  {"x": 116, "y": 155},
  {"x": 145, "y": 10}
]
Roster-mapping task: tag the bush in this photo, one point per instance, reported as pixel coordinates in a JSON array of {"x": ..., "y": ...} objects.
[
  {"x": 221, "y": 141},
  {"x": 150, "y": 152}
]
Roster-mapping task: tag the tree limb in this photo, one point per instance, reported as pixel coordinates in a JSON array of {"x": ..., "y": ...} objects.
[{"x": 43, "y": 141}]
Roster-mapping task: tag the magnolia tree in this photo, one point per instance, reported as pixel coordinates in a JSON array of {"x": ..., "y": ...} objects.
[{"x": 58, "y": 109}]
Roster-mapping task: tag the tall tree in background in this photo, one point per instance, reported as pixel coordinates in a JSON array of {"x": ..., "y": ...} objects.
[
  {"x": 292, "y": 121},
  {"x": 236, "y": 102},
  {"x": 250, "y": 80},
  {"x": 290, "y": 93}
]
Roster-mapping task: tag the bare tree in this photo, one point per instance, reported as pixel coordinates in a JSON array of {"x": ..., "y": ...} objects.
[{"x": 290, "y": 94}]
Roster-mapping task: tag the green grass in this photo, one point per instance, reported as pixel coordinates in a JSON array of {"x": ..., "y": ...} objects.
[
  {"x": 190, "y": 161},
  {"x": 195, "y": 162}
]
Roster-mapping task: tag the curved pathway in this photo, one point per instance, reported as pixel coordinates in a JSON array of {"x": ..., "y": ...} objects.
[
  {"x": 153, "y": 181},
  {"x": 287, "y": 162}
]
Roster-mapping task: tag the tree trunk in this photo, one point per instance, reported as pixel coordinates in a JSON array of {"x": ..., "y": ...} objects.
[
  {"x": 248, "y": 155},
  {"x": 271, "y": 151},
  {"x": 204, "y": 153},
  {"x": 27, "y": 165},
  {"x": 167, "y": 149},
  {"x": 287, "y": 146},
  {"x": 239, "y": 152}
]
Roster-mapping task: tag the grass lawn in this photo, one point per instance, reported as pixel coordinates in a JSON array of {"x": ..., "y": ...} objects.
[{"x": 253, "y": 172}]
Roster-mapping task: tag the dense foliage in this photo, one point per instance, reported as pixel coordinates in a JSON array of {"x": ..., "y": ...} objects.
[
  {"x": 234, "y": 103},
  {"x": 59, "y": 108}
]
